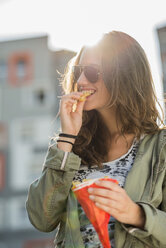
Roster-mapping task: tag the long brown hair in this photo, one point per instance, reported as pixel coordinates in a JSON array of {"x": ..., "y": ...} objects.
[{"x": 127, "y": 76}]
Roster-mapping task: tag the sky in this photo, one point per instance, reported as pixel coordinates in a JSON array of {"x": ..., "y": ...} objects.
[{"x": 73, "y": 23}]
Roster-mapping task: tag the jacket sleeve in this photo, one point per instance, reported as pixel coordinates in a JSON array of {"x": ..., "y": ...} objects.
[
  {"x": 47, "y": 196},
  {"x": 153, "y": 233}
]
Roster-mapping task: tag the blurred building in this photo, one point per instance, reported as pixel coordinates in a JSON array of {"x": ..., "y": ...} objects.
[
  {"x": 29, "y": 89},
  {"x": 162, "y": 42}
]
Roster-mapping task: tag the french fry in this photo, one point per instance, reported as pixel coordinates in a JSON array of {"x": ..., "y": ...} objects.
[
  {"x": 81, "y": 99},
  {"x": 74, "y": 107},
  {"x": 85, "y": 94}
]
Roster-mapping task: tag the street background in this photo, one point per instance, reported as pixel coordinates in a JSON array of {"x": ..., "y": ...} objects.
[{"x": 37, "y": 39}]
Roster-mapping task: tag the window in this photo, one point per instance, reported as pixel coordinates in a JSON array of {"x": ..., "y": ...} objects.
[
  {"x": 29, "y": 137},
  {"x": 17, "y": 215},
  {"x": 3, "y": 70},
  {"x": 40, "y": 96},
  {"x": 20, "y": 68}
]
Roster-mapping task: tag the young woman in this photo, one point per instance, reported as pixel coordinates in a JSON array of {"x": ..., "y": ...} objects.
[{"x": 116, "y": 132}]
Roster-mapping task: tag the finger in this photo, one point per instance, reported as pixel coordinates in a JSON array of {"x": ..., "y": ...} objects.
[
  {"x": 104, "y": 201},
  {"x": 80, "y": 106},
  {"x": 67, "y": 103},
  {"x": 117, "y": 196},
  {"x": 112, "y": 211},
  {"x": 100, "y": 191},
  {"x": 68, "y": 109},
  {"x": 73, "y": 95},
  {"x": 67, "y": 100},
  {"x": 71, "y": 99},
  {"x": 110, "y": 185}
]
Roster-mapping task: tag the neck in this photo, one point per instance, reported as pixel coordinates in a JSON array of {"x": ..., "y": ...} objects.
[
  {"x": 117, "y": 144},
  {"x": 109, "y": 118}
]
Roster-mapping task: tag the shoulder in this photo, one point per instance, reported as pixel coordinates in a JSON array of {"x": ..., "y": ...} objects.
[
  {"x": 152, "y": 148},
  {"x": 153, "y": 142},
  {"x": 158, "y": 137},
  {"x": 162, "y": 134}
]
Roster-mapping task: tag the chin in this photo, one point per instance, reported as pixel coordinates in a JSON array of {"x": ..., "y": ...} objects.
[{"x": 88, "y": 107}]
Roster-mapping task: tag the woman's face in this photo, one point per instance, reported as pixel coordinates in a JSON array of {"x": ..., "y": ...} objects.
[{"x": 100, "y": 98}]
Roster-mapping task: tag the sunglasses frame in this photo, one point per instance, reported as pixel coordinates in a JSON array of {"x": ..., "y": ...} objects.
[{"x": 82, "y": 69}]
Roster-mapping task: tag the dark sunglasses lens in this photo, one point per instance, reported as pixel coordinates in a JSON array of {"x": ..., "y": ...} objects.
[
  {"x": 91, "y": 74},
  {"x": 76, "y": 72}
]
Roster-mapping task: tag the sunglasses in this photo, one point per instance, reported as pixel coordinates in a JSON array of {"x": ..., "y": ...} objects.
[{"x": 90, "y": 72}]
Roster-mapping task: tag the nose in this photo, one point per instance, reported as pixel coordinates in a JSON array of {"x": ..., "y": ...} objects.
[{"x": 82, "y": 80}]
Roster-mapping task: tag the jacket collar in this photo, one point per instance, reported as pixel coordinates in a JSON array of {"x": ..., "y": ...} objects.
[{"x": 147, "y": 162}]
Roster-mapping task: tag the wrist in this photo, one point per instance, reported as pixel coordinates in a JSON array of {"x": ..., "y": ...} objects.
[
  {"x": 66, "y": 147},
  {"x": 72, "y": 140},
  {"x": 66, "y": 135},
  {"x": 71, "y": 132},
  {"x": 139, "y": 216}
]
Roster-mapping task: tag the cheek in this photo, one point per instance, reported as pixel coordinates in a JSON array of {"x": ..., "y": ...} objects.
[{"x": 104, "y": 94}]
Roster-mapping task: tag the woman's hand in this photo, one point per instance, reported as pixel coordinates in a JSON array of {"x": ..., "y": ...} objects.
[
  {"x": 71, "y": 122},
  {"x": 114, "y": 200}
]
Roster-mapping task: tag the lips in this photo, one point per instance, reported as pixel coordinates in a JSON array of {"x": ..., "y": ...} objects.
[{"x": 88, "y": 92}]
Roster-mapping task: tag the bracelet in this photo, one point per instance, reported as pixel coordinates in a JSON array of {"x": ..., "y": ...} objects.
[
  {"x": 68, "y": 135},
  {"x": 65, "y": 141}
]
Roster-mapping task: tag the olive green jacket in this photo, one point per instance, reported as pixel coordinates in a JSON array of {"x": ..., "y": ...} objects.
[{"x": 52, "y": 204}]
